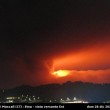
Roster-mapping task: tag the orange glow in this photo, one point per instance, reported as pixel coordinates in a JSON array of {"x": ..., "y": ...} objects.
[
  {"x": 88, "y": 65},
  {"x": 61, "y": 73},
  {"x": 87, "y": 59}
]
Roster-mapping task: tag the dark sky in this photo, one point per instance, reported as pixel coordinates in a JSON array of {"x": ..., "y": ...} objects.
[{"x": 34, "y": 33}]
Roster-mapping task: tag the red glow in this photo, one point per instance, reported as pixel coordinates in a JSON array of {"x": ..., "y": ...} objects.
[
  {"x": 88, "y": 59},
  {"x": 86, "y": 65}
]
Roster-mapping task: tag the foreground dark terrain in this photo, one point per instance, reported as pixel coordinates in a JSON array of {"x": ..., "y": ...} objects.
[{"x": 93, "y": 93}]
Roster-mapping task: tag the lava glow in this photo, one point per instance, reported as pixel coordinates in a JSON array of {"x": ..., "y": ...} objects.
[
  {"x": 61, "y": 73},
  {"x": 88, "y": 65}
]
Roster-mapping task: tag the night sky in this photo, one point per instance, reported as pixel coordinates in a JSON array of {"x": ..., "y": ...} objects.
[{"x": 38, "y": 37}]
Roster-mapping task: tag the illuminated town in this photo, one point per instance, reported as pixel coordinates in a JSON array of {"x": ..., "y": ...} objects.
[{"x": 33, "y": 99}]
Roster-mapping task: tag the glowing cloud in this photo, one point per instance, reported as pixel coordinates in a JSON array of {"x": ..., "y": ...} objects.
[{"x": 96, "y": 58}]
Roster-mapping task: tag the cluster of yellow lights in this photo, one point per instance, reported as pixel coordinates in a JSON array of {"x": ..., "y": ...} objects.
[{"x": 61, "y": 73}]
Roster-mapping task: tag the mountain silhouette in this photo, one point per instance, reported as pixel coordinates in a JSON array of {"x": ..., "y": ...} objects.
[{"x": 93, "y": 93}]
